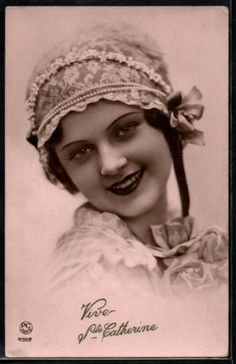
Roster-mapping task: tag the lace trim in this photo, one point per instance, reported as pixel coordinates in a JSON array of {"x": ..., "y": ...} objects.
[
  {"x": 75, "y": 55},
  {"x": 137, "y": 95}
]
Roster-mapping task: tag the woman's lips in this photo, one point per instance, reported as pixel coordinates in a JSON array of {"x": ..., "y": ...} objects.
[{"x": 127, "y": 185}]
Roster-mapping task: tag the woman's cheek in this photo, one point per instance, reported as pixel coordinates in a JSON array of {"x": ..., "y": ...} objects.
[
  {"x": 85, "y": 177},
  {"x": 156, "y": 156}
]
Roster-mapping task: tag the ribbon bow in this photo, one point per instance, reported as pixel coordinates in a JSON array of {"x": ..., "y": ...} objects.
[
  {"x": 180, "y": 237},
  {"x": 183, "y": 112}
]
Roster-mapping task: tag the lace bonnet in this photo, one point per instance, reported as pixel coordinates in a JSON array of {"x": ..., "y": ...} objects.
[{"x": 115, "y": 65}]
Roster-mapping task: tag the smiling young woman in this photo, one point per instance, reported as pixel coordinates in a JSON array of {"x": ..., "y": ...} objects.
[
  {"x": 105, "y": 153},
  {"x": 107, "y": 123}
]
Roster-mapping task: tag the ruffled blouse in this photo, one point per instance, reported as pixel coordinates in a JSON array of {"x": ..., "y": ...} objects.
[{"x": 101, "y": 253}]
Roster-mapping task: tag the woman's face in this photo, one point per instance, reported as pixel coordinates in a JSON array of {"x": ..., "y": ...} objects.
[{"x": 118, "y": 161}]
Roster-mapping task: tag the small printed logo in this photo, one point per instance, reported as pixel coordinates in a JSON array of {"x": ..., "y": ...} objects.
[{"x": 26, "y": 327}]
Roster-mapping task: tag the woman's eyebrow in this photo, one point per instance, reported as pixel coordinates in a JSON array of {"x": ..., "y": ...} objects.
[
  {"x": 109, "y": 127},
  {"x": 121, "y": 117},
  {"x": 71, "y": 143}
]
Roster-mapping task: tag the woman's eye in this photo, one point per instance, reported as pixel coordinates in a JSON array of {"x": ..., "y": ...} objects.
[
  {"x": 126, "y": 130},
  {"x": 81, "y": 153}
]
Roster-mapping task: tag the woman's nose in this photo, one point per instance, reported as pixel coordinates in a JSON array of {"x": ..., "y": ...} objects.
[{"x": 111, "y": 161}]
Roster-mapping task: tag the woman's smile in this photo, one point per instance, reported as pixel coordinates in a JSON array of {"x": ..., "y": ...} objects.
[
  {"x": 127, "y": 185},
  {"x": 115, "y": 158}
]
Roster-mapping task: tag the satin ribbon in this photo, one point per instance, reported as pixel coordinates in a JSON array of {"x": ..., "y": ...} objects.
[
  {"x": 183, "y": 112},
  {"x": 179, "y": 237}
]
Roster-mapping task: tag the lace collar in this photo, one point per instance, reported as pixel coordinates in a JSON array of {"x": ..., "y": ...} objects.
[{"x": 172, "y": 238}]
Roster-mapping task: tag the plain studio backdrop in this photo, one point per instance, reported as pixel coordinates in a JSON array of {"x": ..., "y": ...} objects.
[{"x": 194, "y": 41}]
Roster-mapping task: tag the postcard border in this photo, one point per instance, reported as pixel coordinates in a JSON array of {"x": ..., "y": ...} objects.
[{"x": 232, "y": 172}]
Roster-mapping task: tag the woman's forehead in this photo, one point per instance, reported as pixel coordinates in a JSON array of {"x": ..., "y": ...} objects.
[{"x": 96, "y": 117}]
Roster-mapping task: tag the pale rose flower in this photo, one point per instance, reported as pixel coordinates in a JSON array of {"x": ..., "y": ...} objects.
[
  {"x": 213, "y": 246},
  {"x": 188, "y": 274}
]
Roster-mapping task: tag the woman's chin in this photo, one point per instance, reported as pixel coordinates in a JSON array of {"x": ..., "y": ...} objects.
[
  {"x": 131, "y": 203},
  {"x": 136, "y": 207}
]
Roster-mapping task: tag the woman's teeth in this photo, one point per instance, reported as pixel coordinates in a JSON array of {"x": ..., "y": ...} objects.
[
  {"x": 128, "y": 185},
  {"x": 125, "y": 184}
]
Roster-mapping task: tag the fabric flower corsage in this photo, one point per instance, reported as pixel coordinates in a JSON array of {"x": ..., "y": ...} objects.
[
  {"x": 193, "y": 260},
  {"x": 184, "y": 110},
  {"x": 190, "y": 274}
]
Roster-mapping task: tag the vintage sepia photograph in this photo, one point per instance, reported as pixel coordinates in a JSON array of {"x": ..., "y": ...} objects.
[{"x": 116, "y": 158}]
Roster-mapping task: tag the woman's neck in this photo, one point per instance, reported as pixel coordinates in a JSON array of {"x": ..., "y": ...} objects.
[{"x": 140, "y": 225}]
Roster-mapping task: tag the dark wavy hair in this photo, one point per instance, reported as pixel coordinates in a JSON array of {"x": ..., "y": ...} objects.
[{"x": 154, "y": 118}]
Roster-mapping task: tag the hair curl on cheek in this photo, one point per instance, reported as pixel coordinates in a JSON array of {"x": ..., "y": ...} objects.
[{"x": 54, "y": 164}]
